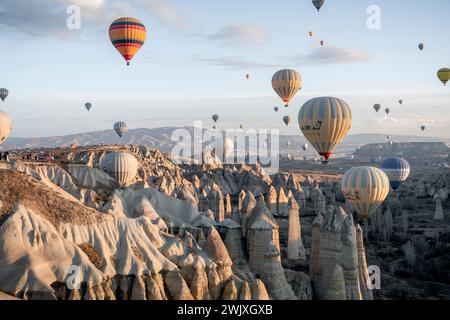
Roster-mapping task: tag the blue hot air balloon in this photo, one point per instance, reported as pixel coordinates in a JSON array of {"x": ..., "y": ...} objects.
[{"x": 397, "y": 169}]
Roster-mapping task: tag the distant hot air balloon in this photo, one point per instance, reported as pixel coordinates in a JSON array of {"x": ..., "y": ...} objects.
[
  {"x": 305, "y": 146},
  {"x": 421, "y": 46},
  {"x": 377, "y": 107},
  {"x": 389, "y": 137},
  {"x": 276, "y": 109},
  {"x": 120, "y": 128},
  {"x": 400, "y": 101},
  {"x": 88, "y": 106},
  {"x": 241, "y": 126},
  {"x": 215, "y": 117},
  {"x": 122, "y": 166},
  {"x": 444, "y": 75},
  {"x": 365, "y": 188},
  {"x": 423, "y": 128},
  {"x": 325, "y": 122},
  {"x": 287, "y": 120},
  {"x": 3, "y": 93},
  {"x": 127, "y": 35},
  {"x": 214, "y": 127},
  {"x": 387, "y": 110},
  {"x": 322, "y": 42},
  {"x": 310, "y": 33},
  {"x": 318, "y": 4},
  {"x": 247, "y": 76},
  {"x": 286, "y": 84},
  {"x": 5, "y": 126},
  {"x": 397, "y": 169}
]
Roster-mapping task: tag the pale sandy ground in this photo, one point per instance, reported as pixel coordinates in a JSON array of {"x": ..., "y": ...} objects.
[{"x": 4, "y": 296}]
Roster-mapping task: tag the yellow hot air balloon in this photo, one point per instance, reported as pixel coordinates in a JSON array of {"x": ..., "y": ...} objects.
[
  {"x": 444, "y": 75},
  {"x": 325, "y": 122},
  {"x": 286, "y": 84},
  {"x": 365, "y": 188},
  {"x": 128, "y": 35}
]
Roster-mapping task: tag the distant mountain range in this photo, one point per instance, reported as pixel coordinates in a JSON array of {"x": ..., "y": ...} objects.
[{"x": 161, "y": 139}]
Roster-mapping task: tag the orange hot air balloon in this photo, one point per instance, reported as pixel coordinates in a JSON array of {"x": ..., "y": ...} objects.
[{"x": 128, "y": 35}]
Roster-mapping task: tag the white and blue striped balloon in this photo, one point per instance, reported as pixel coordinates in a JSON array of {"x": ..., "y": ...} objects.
[{"x": 397, "y": 169}]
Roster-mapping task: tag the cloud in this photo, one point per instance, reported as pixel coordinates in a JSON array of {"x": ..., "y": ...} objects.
[
  {"x": 165, "y": 12},
  {"x": 234, "y": 62},
  {"x": 239, "y": 34},
  {"x": 332, "y": 55},
  {"x": 49, "y": 17}
]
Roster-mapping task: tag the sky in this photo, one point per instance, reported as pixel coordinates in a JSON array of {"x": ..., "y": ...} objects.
[{"x": 197, "y": 54}]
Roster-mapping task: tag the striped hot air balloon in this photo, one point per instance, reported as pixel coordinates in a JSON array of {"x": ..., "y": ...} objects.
[
  {"x": 128, "y": 35},
  {"x": 444, "y": 75},
  {"x": 5, "y": 126},
  {"x": 325, "y": 122},
  {"x": 3, "y": 93},
  {"x": 122, "y": 166},
  {"x": 365, "y": 188},
  {"x": 286, "y": 84},
  {"x": 120, "y": 128},
  {"x": 397, "y": 169}
]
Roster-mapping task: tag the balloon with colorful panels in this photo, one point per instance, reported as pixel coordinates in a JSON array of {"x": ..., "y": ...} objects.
[
  {"x": 286, "y": 84},
  {"x": 128, "y": 35}
]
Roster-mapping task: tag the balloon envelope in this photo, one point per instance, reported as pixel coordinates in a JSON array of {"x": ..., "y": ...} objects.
[
  {"x": 3, "y": 93},
  {"x": 423, "y": 128},
  {"x": 365, "y": 188},
  {"x": 276, "y": 109},
  {"x": 287, "y": 120},
  {"x": 215, "y": 117},
  {"x": 318, "y": 4},
  {"x": 127, "y": 35},
  {"x": 88, "y": 106},
  {"x": 325, "y": 122},
  {"x": 387, "y": 110},
  {"x": 421, "y": 46},
  {"x": 286, "y": 84},
  {"x": 122, "y": 166},
  {"x": 5, "y": 126},
  {"x": 377, "y": 107},
  {"x": 397, "y": 169},
  {"x": 120, "y": 128},
  {"x": 444, "y": 75}
]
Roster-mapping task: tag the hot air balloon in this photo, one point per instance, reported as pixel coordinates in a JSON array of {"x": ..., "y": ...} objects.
[
  {"x": 215, "y": 117},
  {"x": 377, "y": 107},
  {"x": 305, "y": 146},
  {"x": 247, "y": 76},
  {"x": 421, "y": 46},
  {"x": 365, "y": 188},
  {"x": 310, "y": 33},
  {"x": 241, "y": 126},
  {"x": 444, "y": 75},
  {"x": 400, "y": 101},
  {"x": 387, "y": 110},
  {"x": 318, "y": 4},
  {"x": 127, "y": 35},
  {"x": 397, "y": 169},
  {"x": 122, "y": 166},
  {"x": 120, "y": 128},
  {"x": 325, "y": 122},
  {"x": 88, "y": 106},
  {"x": 287, "y": 120},
  {"x": 286, "y": 84},
  {"x": 214, "y": 127},
  {"x": 322, "y": 43},
  {"x": 5, "y": 126},
  {"x": 423, "y": 128},
  {"x": 276, "y": 109},
  {"x": 389, "y": 137},
  {"x": 3, "y": 93}
]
